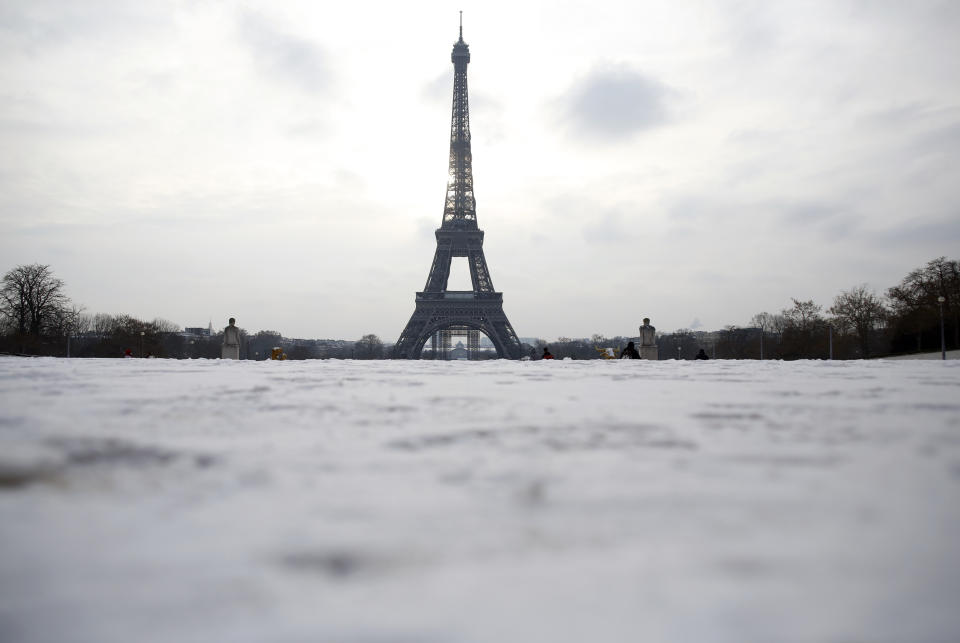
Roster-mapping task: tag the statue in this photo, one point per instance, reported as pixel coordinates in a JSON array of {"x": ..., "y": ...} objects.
[
  {"x": 231, "y": 341},
  {"x": 648, "y": 341}
]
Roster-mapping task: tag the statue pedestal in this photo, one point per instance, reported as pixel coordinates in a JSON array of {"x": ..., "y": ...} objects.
[
  {"x": 649, "y": 352},
  {"x": 231, "y": 341},
  {"x": 648, "y": 341}
]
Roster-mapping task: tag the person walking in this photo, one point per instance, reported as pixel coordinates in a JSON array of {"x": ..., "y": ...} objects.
[
  {"x": 701, "y": 355},
  {"x": 630, "y": 352},
  {"x": 546, "y": 353}
]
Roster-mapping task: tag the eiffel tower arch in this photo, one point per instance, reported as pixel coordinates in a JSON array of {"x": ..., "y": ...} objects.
[{"x": 438, "y": 309}]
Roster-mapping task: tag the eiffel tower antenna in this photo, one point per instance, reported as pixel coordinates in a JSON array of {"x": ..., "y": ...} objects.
[{"x": 440, "y": 312}]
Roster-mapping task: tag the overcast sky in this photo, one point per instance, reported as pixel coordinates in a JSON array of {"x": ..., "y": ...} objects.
[{"x": 285, "y": 163}]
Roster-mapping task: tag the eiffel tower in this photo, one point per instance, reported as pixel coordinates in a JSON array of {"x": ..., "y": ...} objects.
[{"x": 441, "y": 313}]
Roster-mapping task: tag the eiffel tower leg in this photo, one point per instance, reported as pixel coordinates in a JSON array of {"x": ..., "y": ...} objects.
[
  {"x": 473, "y": 343},
  {"x": 479, "y": 274},
  {"x": 405, "y": 346},
  {"x": 439, "y": 270}
]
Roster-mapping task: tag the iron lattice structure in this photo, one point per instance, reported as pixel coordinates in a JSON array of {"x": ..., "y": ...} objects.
[{"x": 439, "y": 309}]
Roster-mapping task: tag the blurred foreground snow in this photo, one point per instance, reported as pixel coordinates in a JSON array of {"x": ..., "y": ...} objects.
[{"x": 157, "y": 500}]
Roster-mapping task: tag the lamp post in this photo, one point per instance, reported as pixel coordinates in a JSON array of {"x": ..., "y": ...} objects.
[
  {"x": 830, "y": 333},
  {"x": 141, "y": 343},
  {"x": 943, "y": 342},
  {"x": 678, "y": 351}
]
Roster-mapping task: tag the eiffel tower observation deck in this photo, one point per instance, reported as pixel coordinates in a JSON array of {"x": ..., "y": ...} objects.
[{"x": 439, "y": 312}]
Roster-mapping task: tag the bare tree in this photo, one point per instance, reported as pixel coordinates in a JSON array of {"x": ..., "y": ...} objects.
[
  {"x": 764, "y": 321},
  {"x": 801, "y": 322},
  {"x": 85, "y": 323},
  {"x": 914, "y": 300},
  {"x": 102, "y": 324},
  {"x": 66, "y": 321},
  {"x": 859, "y": 312},
  {"x": 779, "y": 325},
  {"x": 804, "y": 315},
  {"x": 368, "y": 347},
  {"x": 32, "y": 299},
  {"x": 160, "y": 325}
]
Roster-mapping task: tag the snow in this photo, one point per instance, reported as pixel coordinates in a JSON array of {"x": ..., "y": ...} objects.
[
  {"x": 955, "y": 354},
  {"x": 718, "y": 501}
]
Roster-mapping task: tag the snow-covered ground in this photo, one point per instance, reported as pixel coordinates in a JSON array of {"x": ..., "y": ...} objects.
[
  {"x": 188, "y": 501},
  {"x": 937, "y": 355}
]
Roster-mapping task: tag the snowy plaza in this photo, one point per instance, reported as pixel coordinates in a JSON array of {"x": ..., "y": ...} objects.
[{"x": 349, "y": 501}]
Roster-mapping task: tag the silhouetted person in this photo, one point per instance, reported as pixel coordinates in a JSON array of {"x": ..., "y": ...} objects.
[
  {"x": 701, "y": 355},
  {"x": 630, "y": 352},
  {"x": 546, "y": 353}
]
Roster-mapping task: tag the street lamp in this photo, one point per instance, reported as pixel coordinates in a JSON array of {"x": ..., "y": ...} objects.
[
  {"x": 943, "y": 342},
  {"x": 678, "y": 351},
  {"x": 141, "y": 343}
]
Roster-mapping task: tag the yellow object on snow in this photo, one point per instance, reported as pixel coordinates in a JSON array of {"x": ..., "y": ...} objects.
[{"x": 608, "y": 353}]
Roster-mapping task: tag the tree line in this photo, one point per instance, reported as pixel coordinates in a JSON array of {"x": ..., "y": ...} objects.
[
  {"x": 859, "y": 324},
  {"x": 37, "y": 318}
]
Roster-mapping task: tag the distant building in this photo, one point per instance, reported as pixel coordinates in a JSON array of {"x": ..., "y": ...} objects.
[
  {"x": 198, "y": 331},
  {"x": 459, "y": 352}
]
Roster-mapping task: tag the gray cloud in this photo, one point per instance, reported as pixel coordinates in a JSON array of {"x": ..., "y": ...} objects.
[
  {"x": 943, "y": 140},
  {"x": 285, "y": 56},
  {"x": 36, "y": 26},
  {"x": 306, "y": 128},
  {"x": 805, "y": 214},
  {"x": 615, "y": 101},
  {"x": 439, "y": 89},
  {"x": 610, "y": 226},
  {"x": 834, "y": 220},
  {"x": 753, "y": 28},
  {"x": 945, "y": 231}
]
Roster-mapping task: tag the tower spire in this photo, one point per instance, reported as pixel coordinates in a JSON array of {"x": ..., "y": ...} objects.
[{"x": 459, "y": 210}]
